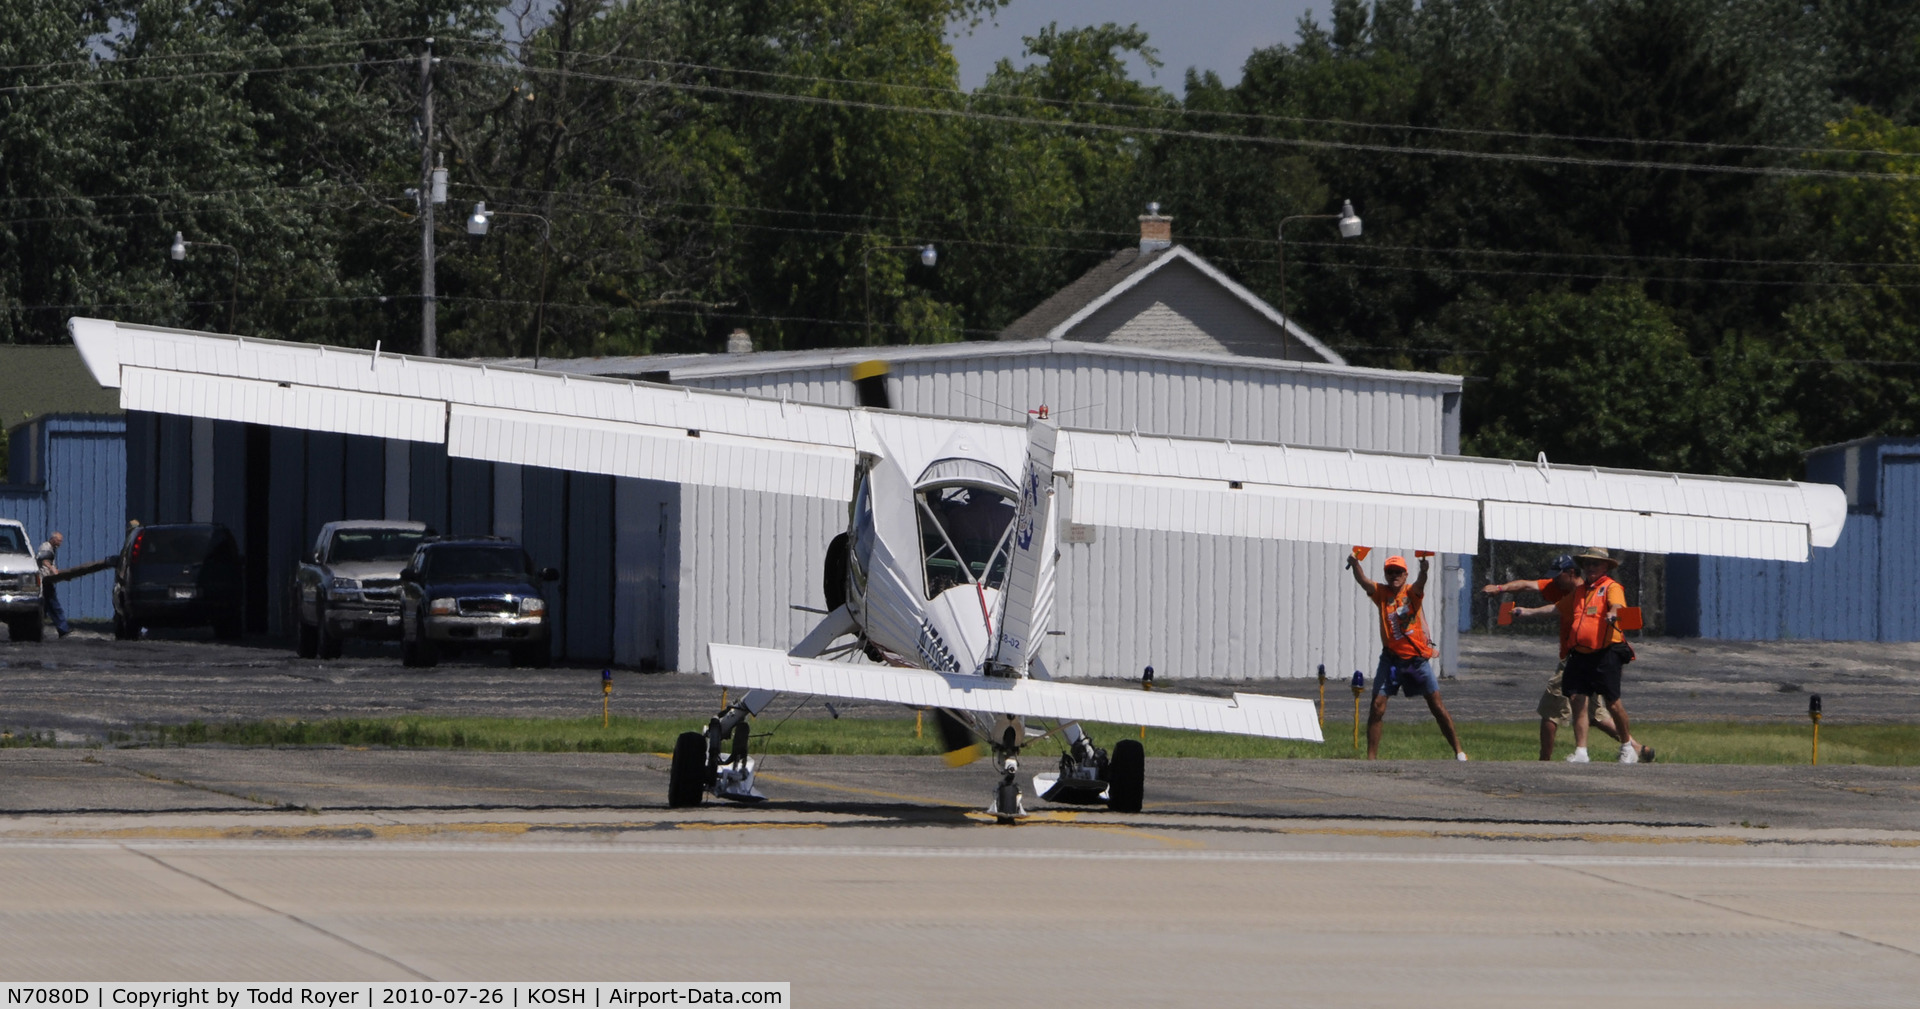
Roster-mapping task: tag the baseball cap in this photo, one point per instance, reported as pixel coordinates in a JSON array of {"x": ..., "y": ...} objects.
[
  {"x": 1561, "y": 563},
  {"x": 1397, "y": 561}
]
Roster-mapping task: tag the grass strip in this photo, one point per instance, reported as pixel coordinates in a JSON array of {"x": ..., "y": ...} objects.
[{"x": 1675, "y": 742}]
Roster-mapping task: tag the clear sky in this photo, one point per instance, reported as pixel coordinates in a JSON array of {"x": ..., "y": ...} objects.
[{"x": 1212, "y": 35}]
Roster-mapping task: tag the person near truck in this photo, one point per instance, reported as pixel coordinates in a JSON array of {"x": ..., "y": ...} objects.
[
  {"x": 1404, "y": 650},
  {"x": 1561, "y": 588},
  {"x": 49, "y": 595}
]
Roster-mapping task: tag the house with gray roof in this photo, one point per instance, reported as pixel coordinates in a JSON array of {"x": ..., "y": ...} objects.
[{"x": 1161, "y": 296}]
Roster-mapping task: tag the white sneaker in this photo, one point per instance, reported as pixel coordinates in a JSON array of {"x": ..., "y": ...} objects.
[
  {"x": 1629, "y": 755},
  {"x": 1577, "y": 757}
]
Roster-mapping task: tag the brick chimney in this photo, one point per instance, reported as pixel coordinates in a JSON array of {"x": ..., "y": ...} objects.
[{"x": 1156, "y": 230}]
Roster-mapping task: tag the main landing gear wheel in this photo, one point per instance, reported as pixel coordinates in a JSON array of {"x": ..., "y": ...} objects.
[
  {"x": 687, "y": 780},
  {"x": 1126, "y": 776}
]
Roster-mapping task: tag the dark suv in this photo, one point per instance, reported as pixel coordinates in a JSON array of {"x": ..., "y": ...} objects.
[
  {"x": 478, "y": 594},
  {"x": 178, "y": 576}
]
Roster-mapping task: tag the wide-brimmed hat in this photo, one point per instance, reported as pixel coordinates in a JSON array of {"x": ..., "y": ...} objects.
[{"x": 1597, "y": 554}]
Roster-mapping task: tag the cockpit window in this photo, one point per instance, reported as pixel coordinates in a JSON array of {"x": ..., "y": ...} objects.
[{"x": 963, "y": 535}]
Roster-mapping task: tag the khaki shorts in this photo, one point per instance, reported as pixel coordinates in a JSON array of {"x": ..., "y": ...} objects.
[{"x": 1556, "y": 705}]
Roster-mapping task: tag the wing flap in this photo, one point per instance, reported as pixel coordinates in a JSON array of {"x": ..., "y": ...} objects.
[{"x": 1242, "y": 714}]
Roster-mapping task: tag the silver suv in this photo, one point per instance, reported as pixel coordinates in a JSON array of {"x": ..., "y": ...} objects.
[
  {"x": 19, "y": 582},
  {"x": 349, "y": 585}
]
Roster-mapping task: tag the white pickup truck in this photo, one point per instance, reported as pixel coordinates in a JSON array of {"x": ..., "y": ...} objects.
[
  {"x": 19, "y": 582},
  {"x": 349, "y": 585}
]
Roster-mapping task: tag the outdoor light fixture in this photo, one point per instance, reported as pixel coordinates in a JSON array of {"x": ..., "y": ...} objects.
[
  {"x": 929, "y": 257},
  {"x": 1349, "y": 221},
  {"x": 1349, "y": 228},
  {"x": 480, "y": 220},
  {"x": 178, "y": 250}
]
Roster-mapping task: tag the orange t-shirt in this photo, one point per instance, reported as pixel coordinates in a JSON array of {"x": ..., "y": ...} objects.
[
  {"x": 1592, "y": 631},
  {"x": 1564, "y": 602},
  {"x": 1403, "y": 630}
]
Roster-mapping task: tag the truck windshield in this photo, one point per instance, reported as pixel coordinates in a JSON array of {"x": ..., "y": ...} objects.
[
  {"x": 472, "y": 564},
  {"x": 12, "y": 541},
  {"x": 963, "y": 535},
  {"x": 358, "y": 545}
]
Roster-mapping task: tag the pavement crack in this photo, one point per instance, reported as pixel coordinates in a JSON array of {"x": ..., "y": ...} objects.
[
  {"x": 1702, "y": 901},
  {"x": 198, "y": 787},
  {"x": 288, "y": 915}
]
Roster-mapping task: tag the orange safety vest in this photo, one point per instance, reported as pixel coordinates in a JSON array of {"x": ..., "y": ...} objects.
[
  {"x": 1564, "y": 604},
  {"x": 1592, "y": 631},
  {"x": 1403, "y": 629}
]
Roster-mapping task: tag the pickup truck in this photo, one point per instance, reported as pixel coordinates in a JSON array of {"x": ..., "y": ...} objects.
[
  {"x": 348, "y": 585},
  {"x": 19, "y": 583},
  {"x": 478, "y": 594}
]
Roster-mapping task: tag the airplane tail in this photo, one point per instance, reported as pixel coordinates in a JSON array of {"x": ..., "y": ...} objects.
[{"x": 1027, "y": 600}]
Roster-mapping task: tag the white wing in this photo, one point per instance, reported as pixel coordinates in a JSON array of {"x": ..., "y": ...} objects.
[
  {"x": 1242, "y": 714},
  {"x": 724, "y": 439}
]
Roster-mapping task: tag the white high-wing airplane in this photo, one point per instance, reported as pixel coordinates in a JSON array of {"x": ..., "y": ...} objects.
[{"x": 942, "y": 587}]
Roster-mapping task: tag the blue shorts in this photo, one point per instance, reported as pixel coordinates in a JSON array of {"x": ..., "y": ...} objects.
[{"x": 1413, "y": 676}]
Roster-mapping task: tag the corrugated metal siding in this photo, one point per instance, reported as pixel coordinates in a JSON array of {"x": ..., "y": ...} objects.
[
  {"x": 543, "y": 516},
  {"x": 326, "y": 483},
  {"x": 589, "y": 571},
  {"x": 86, "y": 501},
  {"x": 286, "y": 540},
  {"x": 643, "y": 524},
  {"x": 745, "y": 558},
  {"x": 1899, "y": 547},
  {"x": 364, "y": 495},
  {"x": 1832, "y": 597},
  {"x": 1274, "y": 608},
  {"x": 469, "y": 497},
  {"x": 1217, "y": 606}
]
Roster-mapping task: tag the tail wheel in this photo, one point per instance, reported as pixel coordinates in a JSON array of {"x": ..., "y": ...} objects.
[
  {"x": 834, "y": 581},
  {"x": 1126, "y": 776},
  {"x": 686, "y": 781}
]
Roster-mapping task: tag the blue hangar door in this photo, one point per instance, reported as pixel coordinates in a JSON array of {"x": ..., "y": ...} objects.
[{"x": 1899, "y": 545}]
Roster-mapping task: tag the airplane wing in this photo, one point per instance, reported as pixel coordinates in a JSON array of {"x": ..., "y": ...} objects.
[
  {"x": 1242, "y": 714},
  {"x": 1445, "y": 502},
  {"x": 723, "y": 439}
]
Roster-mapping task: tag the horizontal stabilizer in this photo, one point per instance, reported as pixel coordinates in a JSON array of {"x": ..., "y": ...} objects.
[{"x": 1242, "y": 714}]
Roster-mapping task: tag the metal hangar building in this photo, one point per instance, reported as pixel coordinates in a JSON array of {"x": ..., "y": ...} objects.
[{"x": 652, "y": 571}]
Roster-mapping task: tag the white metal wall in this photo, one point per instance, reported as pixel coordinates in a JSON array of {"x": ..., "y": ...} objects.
[{"x": 1191, "y": 606}]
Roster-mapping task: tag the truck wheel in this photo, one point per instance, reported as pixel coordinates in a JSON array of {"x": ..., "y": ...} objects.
[
  {"x": 307, "y": 645},
  {"x": 326, "y": 643},
  {"x": 417, "y": 651},
  {"x": 123, "y": 629},
  {"x": 26, "y": 628},
  {"x": 228, "y": 627}
]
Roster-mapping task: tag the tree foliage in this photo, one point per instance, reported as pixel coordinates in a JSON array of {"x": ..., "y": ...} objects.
[{"x": 1595, "y": 202}]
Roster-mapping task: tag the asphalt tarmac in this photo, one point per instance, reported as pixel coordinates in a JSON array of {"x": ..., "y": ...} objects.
[
  {"x": 87, "y": 686},
  {"x": 876, "y": 881}
]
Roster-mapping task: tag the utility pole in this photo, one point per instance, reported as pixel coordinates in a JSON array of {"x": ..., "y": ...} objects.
[{"x": 429, "y": 308}]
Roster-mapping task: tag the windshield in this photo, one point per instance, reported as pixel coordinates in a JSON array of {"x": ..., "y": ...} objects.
[
  {"x": 356, "y": 545},
  {"x": 12, "y": 541},
  {"x": 963, "y": 531},
  {"x": 186, "y": 545},
  {"x": 474, "y": 564}
]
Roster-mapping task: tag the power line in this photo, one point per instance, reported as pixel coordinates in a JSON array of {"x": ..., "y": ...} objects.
[
  {"x": 192, "y": 75},
  {"x": 95, "y": 62},
  {"x": 1222, "y": 114},
  {"x": 1183, "y": 134}
]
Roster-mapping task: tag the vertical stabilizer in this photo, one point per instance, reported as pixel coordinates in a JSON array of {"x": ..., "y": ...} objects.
[{"x": 1028, "y": 598}]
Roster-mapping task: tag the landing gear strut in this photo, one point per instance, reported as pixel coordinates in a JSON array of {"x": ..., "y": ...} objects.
[{"x": 700, "y": 766}]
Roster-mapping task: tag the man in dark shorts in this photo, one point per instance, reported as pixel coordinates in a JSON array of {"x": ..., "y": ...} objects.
[
  {"x": 1599, "y": 651},
  {"x": 1404, "y": 650},
  {"x": 1560, "y": 588}
]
